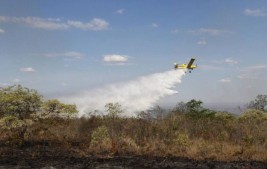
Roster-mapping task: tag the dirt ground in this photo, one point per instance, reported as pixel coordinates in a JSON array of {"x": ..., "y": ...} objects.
[{"x": 129, "y": 162}]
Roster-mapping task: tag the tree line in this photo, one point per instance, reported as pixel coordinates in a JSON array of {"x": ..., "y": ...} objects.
[{"x": 188, "y": 130}]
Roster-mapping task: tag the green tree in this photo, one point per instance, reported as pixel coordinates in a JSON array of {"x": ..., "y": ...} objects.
[
  {"x": 113, "y": 109},
  {"x": 55, "y": 106},
  {"x": 181, "y": 107},
  {"x": 259, "y": 103},
  {"x": 69, "y": 108},
  {"x": 194, "y": 106},
  {"x": 19, "y": 101},
  {"x": 195, "y": 109},
  {"x": 51, "y": 106}
]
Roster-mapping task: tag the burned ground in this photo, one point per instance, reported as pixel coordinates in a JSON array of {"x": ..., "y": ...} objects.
[
  {"x": 123, "y": 162},
  {"x": 54, "y": 157}
]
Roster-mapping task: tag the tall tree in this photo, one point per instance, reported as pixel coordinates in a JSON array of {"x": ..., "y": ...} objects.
[
  {"x": 259, "y": 103},
  {"x": 196, "y": 110},
  {"x": 19, "y": 101}
]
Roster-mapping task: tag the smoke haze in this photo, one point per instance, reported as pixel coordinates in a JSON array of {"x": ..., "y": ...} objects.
[{"x": 134, "y": 96}]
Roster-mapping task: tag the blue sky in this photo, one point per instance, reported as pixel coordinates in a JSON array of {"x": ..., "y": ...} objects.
[{"x": 62, "y": 47}]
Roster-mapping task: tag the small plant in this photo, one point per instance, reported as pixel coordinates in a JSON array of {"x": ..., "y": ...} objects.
[
  {"x": 182, "y": 141},
  {"x": 99, "y": 136},
  {"x": 12, "y": 128},
  {"x": 204, "y": 148}
]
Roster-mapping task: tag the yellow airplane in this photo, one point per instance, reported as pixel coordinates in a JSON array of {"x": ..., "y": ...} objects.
[{"x": 189, "y": 66}]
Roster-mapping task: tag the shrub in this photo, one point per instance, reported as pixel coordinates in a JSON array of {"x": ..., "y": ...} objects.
[
  {"x": 224, "y": 117},
  {"x": 182, "y": 141},
  {"x": 12, "y": 128},
  {"x": 99, "y": 136},
  {"x": 55, "y": 106},
  {"x": 254, "y": 115}
]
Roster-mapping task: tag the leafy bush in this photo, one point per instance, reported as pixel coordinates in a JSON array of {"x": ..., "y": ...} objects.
[
  {"x": 224, "y": 116},
  {"x": 99, "y": 136},
  {"x": 254, "y": 115},
  {"x": 12, "y": 127},
  {"x": 55, "y": 106},
  {"x": 182, "y": 141}
]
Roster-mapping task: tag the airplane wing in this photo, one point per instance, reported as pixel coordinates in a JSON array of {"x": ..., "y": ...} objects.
[{"x": 190, "y": 63}]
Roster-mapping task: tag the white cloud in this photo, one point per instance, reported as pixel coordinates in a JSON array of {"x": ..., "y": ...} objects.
[
  {"x": 27, "y": 69},
  {"x": 155, "y": 25},
  {"x": 16, "y": 80},
  {"x": 254, "y": 68},
  {"x": 48, "y": 24},
  {"x": 4, "y": 84},
  {"x": 75, "y": 55},
  {"x": 212, "y": 32},
  {"x": 230, "y": 61},
  {"x": 64, "y": 84},
  {"x": 36, "y": 22},
  {"x": 202, "y": 42},
  {"x": 209, "y": 67},
  {"x": 95, "y": 24},
  {"x": 252, "y": 72},
  {"x": 249, "y": 76},
  {"x": 120, "y": 11},
  {"x": 115, "y": 58},
  {"x": 2, "y": 31},
  {"x": 255, "y": 12},
  {"x": 71, "y": 54},
  {"x": 225, "y": 80},
  {"x": 3, "y": 18},
  {"x": 258, "y": 75},
  {"x": 175, "y": 31},
  {"x": 257, "y": 67}
]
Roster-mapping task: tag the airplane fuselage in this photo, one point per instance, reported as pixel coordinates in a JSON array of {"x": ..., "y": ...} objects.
[{"x": 184, "y": 66}]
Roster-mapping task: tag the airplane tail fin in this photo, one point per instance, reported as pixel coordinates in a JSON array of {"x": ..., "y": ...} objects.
[{"x": 175, "y": 65}]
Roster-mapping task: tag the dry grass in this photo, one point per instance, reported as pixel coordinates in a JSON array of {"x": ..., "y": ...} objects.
[{"x": 223, "y": 137}]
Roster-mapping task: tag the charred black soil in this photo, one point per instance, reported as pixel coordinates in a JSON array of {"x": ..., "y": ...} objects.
[
  {"x": 53, "y": 158},
  {"x": 127, "y": 162}
]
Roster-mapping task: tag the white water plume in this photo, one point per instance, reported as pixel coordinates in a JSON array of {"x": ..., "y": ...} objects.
[{"x": 134, "y": 96}]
